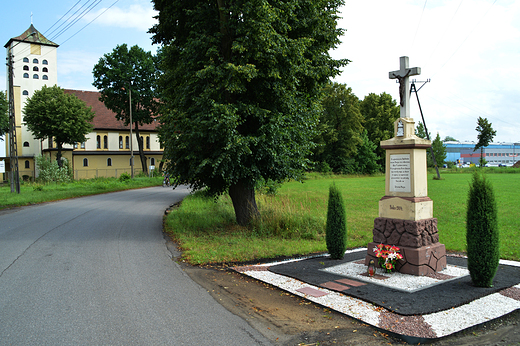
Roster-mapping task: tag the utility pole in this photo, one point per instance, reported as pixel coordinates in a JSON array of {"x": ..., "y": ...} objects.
[
  {"x": 13, "y": 148},
  {"x": 413, "y": 89},
  {"x": 131, "y": 137}
]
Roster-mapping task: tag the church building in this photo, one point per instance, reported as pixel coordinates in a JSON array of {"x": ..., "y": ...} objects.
[{"x": 107, "y": 151}]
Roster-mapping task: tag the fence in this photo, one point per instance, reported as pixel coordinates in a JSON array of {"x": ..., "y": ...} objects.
[{"x": 102, "y": 173}]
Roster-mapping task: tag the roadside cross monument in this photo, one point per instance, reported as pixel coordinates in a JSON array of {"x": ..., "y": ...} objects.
[{"x": 406, "y": 212}]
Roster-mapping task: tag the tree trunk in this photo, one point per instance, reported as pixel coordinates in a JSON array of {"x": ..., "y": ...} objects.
[
  {"x": 243, "y": 197},
  {"x": 140, "y": 144},
  {"x": 58, "y": 155}
]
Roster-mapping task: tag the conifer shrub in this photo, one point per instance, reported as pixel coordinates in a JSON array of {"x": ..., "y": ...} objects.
[
  {"x": 482, "y": 235},
  {"x": 336, "y": 228}
]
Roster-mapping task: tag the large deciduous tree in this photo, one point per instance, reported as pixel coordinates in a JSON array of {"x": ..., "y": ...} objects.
[
  {"x": 485, "y": 136},
  {"x": 241, "y": 82},
  {"x": 126, "y": 71},
  {"x": 50, "y": 113},
  {"x": 380, "y": 113},
  {"x": 4, "y": 116},
  {"x": 340, "y": 128}
]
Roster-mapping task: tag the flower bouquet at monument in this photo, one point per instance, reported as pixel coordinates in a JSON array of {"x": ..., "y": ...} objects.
[{"x": 387, "y": 255}]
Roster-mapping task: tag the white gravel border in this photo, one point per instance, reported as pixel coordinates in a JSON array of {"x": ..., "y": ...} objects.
[{"x": 442, "y": 323}]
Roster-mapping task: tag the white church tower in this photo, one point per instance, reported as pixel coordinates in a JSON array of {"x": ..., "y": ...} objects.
[{"x": 34, "y": 65}]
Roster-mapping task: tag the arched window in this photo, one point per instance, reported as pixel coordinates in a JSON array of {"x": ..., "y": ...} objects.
[
  {"x": 82, "y": 146},
  {"x": 35, "y": 61},
  {"x": 26, "y": 144},
  {"x": 85, "y": 162},
  {"x": 25, "y": 75},
  {"x": 36, "y": 69},
  {"x": 25, "y": 59},
  {"x": 25, "y": 93},
  {"x": 120, "y": 142},
  {"x": 35, "y": 76},
  {"x": 27, "y": 164},
  {"x": 109, "y": 162},
  {"x": 44, "y": 62},
  {"x": 105, "y": 142},
  {"x": 152, "y": 161},
  {"x": 45, "y": 69},
  {"x": 147, "y": 142},
  {"x": 98, "y": 142},
  {"x": 127, "y": 146},
  {"x": 45, "y": 77},
  {"x": 25, "y": 68}
]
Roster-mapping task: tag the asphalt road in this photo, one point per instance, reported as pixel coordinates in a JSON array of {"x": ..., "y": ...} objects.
[{"x": 96, "y": 271}]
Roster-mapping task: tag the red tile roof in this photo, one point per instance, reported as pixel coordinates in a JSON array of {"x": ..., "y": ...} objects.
[{"x": 105, "y": 119}]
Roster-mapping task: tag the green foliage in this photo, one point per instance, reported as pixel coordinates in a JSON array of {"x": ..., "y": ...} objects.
[
  {"x": 124, "y": 177},
  {"x": 340, "y": 127},
  {"x": 421, "y": 132},
  {"x": 366, "y": 157},
  {"x": 380, "y": 112},
  {"x": 482, "y": 235},
  {"x": 4, "y": 114},
  {"x": 50, "y": 113},
  {"x": 123, "y": 70},
  {"x": 50, "y": 171},
  {"x": 439, "y": 150},
  {"x": 449, "y": 139},
  {"x": 241, "y": 83},
  {"x": 336, "y": 228},
  {"x": 485, "y": 136}
]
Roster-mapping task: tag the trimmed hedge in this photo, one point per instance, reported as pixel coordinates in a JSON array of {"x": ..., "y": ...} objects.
[
  {"x": 482, "y": 235},
  {"x": 336, "y": 228}
]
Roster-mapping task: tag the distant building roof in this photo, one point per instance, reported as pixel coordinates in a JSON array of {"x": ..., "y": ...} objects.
[
  {"x": 105, "y": 119},
  {"x": 36, "y": 37}
]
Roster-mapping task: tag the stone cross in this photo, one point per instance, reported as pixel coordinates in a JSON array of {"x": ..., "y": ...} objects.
[{"x": 402, "y": 76}]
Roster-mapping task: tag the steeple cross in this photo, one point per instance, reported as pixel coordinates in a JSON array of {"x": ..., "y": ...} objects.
[{"x": 402, "y": 75}]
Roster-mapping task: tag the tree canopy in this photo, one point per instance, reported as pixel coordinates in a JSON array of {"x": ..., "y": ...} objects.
[
  {"x": 241, "y": 82},
  {"x": 485, "y": 136},
  {"x": 4, "y": 116},
  {"x": 50, "y": 113},
  {"x": 126, "y": 70}
]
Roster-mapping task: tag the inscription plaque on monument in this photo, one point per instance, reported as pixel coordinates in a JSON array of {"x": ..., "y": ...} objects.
[{"x": 400, "y": 173}]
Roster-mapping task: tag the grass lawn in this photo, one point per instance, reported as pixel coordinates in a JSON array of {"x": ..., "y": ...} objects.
[{"x": 293, "y": 221}]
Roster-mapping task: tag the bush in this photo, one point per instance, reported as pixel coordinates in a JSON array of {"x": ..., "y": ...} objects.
[
  {"x": 124, "y": 177},
  {"x": 49, "y": 171},
  {"x": 336, "y": 228},
  {"x": 482, "y": 236}
]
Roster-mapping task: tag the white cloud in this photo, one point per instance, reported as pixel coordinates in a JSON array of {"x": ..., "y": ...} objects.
[{"x": 135, "y": 16}]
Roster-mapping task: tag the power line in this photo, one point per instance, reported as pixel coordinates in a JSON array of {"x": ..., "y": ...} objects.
[{"x": 45, "y": 33}]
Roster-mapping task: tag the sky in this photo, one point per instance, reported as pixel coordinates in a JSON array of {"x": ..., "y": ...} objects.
[{"x": 469, "y": 51}]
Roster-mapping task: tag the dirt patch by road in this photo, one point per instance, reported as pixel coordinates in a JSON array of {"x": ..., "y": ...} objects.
[{"x": 290, "y": 320}]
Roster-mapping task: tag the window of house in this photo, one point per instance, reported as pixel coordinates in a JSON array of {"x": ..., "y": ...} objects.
[
  {"x": 36, "y": 69},
  {"x": 25, "y": 75},
  {"x": 25, "y": 93},
  {"x": 45, "y": 69},
  {"x": 152, "y": 161},
  {"x": 45, "y": 77},
  {"x": 25, "y": 68},
  {"x": 127, "y": 146},
  {"x": 35, "y": 61},
  {"x": 26, "y": 144},
  {"x": 85, "y": 162},
  {"x": 75, "y": 145},
  {"x": 35, "y": 76},
  {"x": 83, "y": 145},
  {"x": 45, "y": 62},
  {"x": 105, "y": 142},
  {"x": 109, "y": 162},
  {"x": 25, "y": 59},
  {"x": 27, "y": 164},
  {"x": 50, "y": 143},
  {"x": 98, "y": 142},
  {"x": 147, "y": 142},
  {"x": 120, "y": 142}
]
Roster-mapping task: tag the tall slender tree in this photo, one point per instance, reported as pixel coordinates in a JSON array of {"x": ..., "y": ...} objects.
[
  {"x": 126, "y": 71},
  {"x": 485, "y": 136},
  {"x": 241, "y": 82}
]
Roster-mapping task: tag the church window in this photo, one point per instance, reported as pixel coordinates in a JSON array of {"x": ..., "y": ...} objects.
[
  {"x": 35, "y": 68},
  {"x": 35, "y": 61},
  {"x": 120, "y": 142},
  {"x": 35, "y": 76},
  {"x": 50, "y": 142},
  {"x": 147, "y": 142},
  {"x": 152, "y": 161},
  {"x": 25, "y": 68},
  {"x": 105, "y": 142},
  {"x": 25, "y": 75},
  {"x": 25, "y": 59},
  {"x": 98, "y": 142},
  {"x": 109, "y": 162},
  {"x": 27, "y": 164},
  {"x": 127, "y": 146},
  {"x": 44, "y": 62},
  {"x": 45, "y": 69},
  {"x": 82, "y": 145},
  {"x": 45, "y": 77},
  {"x": 26, "y": 144},
  {"x": 75, "y": 146},
  {"x": 85, "y": 162},
  {"x": 25, "y": 93}
]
